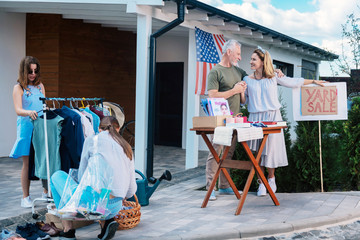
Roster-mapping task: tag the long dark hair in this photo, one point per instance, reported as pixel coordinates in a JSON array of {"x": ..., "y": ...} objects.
[
  {"x": 24, "y": 70},
  {"x": 110, "y": 123}
]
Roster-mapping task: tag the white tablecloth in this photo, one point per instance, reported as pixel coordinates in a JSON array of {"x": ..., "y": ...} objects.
[{"x": 223, "y": 135}]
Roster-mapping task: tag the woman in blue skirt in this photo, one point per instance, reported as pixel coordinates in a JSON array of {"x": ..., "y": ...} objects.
[{"x": 27, "y": 105}]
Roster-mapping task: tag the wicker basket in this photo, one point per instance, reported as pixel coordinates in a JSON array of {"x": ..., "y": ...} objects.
[{"x": 129, "y": 218}]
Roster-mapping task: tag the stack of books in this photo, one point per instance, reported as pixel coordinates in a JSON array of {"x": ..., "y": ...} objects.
[
  {"x": 272, "y": 123},
  {"x": 215, "y": 106}
]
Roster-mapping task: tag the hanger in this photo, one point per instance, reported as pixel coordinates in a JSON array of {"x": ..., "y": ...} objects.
[
  {"x": 71, "y": 106},
  {"x": 58, "y": 103},
  {"x": 76, "y": 104},
  {"x": 82, "y": 103}
]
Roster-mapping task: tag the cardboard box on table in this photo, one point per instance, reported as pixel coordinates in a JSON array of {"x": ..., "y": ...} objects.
[{"x": 209, "y": 121}]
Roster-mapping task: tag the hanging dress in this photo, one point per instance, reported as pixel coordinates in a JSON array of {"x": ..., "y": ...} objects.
[
  {"x": 30, "y": 101},
  {"x": 53, "y": 126}
]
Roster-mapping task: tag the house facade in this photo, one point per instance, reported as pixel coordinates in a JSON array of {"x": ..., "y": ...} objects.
[{"x": 140, "y": 54}]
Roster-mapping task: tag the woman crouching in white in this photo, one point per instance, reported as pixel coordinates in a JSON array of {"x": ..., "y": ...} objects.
[{"x": 117, "y": 153}]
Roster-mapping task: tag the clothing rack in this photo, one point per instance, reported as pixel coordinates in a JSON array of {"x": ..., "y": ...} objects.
[{"x": 44, "y": 99}]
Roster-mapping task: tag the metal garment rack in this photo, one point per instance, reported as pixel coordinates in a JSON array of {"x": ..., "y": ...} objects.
[{"x": 48, "y": 199}]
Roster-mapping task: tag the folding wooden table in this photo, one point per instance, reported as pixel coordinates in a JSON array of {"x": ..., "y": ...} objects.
[{"x": 252, "y": 165}]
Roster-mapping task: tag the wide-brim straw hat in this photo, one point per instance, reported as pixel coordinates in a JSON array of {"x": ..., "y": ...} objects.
[{"x": 116, "y": 111}]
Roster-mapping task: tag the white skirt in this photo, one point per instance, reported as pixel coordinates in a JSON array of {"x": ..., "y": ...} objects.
[{"x": 274, "y": 153}]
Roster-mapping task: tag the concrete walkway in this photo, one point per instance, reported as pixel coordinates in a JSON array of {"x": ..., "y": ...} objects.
[{"x": 174, "y": 211}]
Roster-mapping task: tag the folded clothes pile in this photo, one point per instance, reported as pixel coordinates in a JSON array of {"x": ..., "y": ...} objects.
[
  {"x": 31, "y": 232},
  {"x": 10, "y": 235},
  {"x": 223, "y": 135},
  {"x": 246, "y": 134}
]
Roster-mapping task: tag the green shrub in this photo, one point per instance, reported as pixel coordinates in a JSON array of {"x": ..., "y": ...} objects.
[
  {"x": 340, "y": 156},
  {"x": 305, "y": 153},
  {"x": 285, "y": 175},
  {"x": 352, "y": 145}
]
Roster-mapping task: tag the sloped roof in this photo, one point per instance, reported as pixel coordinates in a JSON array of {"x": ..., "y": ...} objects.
[
  {"x": 237, "y": 25},
  {"x": 122, "y": 14}
]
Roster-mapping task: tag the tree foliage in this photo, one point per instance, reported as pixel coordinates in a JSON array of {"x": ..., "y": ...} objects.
[
  {"x": 352, "y": 139},
  {"x": 351, "y": 36}
]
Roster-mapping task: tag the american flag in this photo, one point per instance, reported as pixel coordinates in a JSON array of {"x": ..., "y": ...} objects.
[{"x": 208, "y": 54}]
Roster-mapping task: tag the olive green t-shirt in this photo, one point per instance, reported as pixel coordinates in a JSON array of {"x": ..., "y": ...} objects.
[{"x": 223, "y": 79}]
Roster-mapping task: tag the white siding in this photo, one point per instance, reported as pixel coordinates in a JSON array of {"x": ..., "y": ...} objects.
[{"x": 12, "y": 50}]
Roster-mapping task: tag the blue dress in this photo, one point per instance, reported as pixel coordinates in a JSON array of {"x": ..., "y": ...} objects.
[
  {"x": 54, "y": 127},
  {"x": 30, "y": 101}
]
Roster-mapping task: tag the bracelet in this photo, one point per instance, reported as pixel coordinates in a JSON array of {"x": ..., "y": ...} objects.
[{"x": 313, "y": 81}]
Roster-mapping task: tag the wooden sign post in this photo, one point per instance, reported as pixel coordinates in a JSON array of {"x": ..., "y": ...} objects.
[
  {"x": 319, "y": 101},
  {"x": 321, "y": 173}
]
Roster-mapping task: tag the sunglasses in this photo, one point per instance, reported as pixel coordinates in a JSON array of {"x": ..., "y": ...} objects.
[{"x": 31, "y": 71}]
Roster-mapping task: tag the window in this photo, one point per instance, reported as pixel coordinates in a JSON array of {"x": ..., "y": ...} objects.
[
  {"x": 286, "y": 68},
  {"x": 308, "y": 69}
]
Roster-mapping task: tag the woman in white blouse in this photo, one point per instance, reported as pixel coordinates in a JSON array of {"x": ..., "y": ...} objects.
[
  {"x": 112, "y": 148},
  {"x": 261, "y": 96}
]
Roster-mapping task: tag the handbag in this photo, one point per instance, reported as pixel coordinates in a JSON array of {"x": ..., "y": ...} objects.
[{"x": 88, "y": 199}]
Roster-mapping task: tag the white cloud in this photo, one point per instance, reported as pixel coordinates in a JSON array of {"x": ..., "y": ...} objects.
[
  {"x": 321, "y": 28},
  {"x": 322, "y": 24}
]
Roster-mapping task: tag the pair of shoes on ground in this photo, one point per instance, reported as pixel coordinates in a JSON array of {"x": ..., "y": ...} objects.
[
  {"x": 26, "y": 202},
  {"x": 50, "y": 229},
  {"x": 10, "y": 235},
  {"x": 44, "y": 195},
  {"x": 222, "y": 191},
  {"x": 262, "y": 189},
  {"x": 31, "y": 232},
  {"x": 69, "y": 235},
  {"x": 109, "y": 229}
]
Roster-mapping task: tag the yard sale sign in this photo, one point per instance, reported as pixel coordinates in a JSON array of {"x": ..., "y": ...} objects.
[
  {"x": 313, "y": 102},
  {"x": 319, "y": 101}
]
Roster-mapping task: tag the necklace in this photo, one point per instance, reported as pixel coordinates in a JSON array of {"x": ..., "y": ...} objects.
[{"x": 257, "y": 78}]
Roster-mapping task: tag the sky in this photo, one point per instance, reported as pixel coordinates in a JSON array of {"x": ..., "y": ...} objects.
[{"x": 317, "y": 22}]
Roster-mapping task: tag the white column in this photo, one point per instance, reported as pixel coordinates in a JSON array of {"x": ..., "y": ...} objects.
[
  {"x": 192, "y": 140},
  {"x": 142, "y": 85},
  {"x": 12, "y": 50}
]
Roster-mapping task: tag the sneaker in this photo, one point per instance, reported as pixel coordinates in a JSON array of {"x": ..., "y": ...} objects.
[
  {"x": 44, "y": 195},
  {"x": 272, "y": 184},
  {"x": 212, "y": 196},
  {"x": 47, "y": 228},
  {"x": 5, "y": 234},
  {"x": 227, "y": 191},
  {"x": 32, "y": 227},
  {"x": 109, "y": 229},
  {"x": 69, "y": 235},
  {"x": 26, "y": 202},
  {"x": 261, "y": 190},
  {"x": 27, "y": 232},
  {"x": 38, "y": 231}
]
